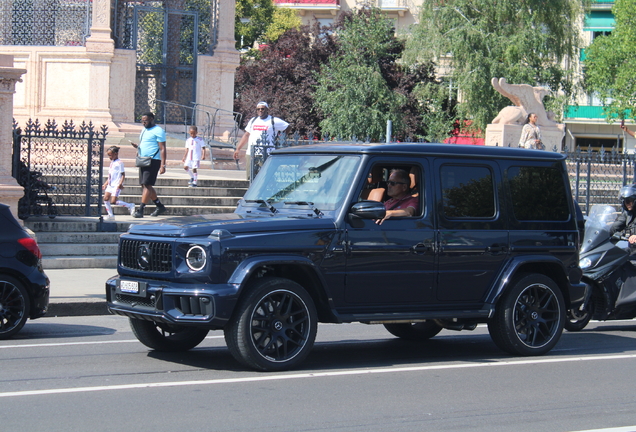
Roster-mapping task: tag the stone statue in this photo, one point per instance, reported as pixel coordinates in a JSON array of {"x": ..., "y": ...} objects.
[{"x": 527, "y": 99}]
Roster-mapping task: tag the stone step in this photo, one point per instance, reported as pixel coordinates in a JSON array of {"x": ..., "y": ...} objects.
[
  {"x": 66, "y": 237},
  {"x": 78, "y": 249},
  {"x": 75, "y": 225},
  {"x": 69, "y": 262}
]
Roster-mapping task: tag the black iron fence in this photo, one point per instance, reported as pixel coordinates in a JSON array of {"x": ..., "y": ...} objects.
[{"x": 60, "y": 168}]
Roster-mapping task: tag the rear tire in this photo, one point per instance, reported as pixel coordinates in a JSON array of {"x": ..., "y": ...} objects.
[
  {"x": 274, "y": 325},
  {"x": 167, "y": 337},
  {"x": 530, "y": 316},
  {"x": 14, "y": 306},
  {"x": 419, "y": 331},
  {"x": 577, "y": 320}
]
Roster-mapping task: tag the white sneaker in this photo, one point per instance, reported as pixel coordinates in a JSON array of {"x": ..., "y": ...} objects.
[
  {"x": 109, "y": 218},
  {"x": 131, "y": 209}
]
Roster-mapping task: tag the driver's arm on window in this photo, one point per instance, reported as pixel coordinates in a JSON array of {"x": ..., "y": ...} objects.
[{"x": 407, "y": 212}]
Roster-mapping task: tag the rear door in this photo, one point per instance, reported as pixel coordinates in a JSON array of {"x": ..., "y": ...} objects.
[{"x": 473, "y": 241}]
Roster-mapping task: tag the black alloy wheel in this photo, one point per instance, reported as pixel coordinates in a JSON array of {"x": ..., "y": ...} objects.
[
  {"x": 274, "y": 326},
  {"x": 14, "y": 306},
  {"x": 530, "y": 316}
]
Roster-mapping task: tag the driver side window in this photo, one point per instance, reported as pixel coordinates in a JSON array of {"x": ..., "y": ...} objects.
[{"x": 397, "y": 186}]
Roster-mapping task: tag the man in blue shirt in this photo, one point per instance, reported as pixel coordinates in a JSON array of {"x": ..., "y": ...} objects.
[{"x": 152, "y": 143}]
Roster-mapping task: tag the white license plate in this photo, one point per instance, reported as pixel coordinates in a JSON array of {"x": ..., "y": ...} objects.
[{"x": 129, "y": 286}]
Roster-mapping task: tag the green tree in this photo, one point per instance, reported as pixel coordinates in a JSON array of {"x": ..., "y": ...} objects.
[
  {"x": 352, "y": 92},
  {"x": 252, "y": 17},
  {"x": 283, "y": 20},
  {"x": 610, "y": 62},
  {"x": 524, "y": 41}
]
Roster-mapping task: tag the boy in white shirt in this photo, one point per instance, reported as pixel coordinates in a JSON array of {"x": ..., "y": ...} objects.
[
  {"x": 114, "y": 184},
  {"x": 194, "y": 154}
]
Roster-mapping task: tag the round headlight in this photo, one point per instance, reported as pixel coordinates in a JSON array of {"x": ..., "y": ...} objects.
[
  {"x": 585, "y": 263},
  {"x": 196, "y": 258}
]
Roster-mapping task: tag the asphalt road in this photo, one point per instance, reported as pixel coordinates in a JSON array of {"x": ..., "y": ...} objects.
[{"x": 91, "y": 374}]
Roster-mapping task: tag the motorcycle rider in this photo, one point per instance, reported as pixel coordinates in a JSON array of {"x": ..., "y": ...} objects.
[{"x": 626, "y": 221}]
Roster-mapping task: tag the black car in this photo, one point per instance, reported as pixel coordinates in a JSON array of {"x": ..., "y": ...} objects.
[
  {"x": 24, "y": 287},
  {"x": 491, "y": 237}
]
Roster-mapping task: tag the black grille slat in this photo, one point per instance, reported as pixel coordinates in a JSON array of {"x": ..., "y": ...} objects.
[
  {"x": 160, "y": 255},
  {"x": 132, "y": 300}
]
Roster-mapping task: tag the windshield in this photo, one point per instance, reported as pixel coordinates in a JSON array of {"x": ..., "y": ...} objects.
[
  {"x": 288, "y": 181},
  {"x": 597, "y": 226}
]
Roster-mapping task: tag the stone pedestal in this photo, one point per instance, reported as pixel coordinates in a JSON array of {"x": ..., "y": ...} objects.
[
  {"x": 504, "y": 135},
  {"x": 10, "y": 190}
]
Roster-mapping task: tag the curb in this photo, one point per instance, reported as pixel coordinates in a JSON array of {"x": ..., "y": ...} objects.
[{"x": 73, "y": 309}]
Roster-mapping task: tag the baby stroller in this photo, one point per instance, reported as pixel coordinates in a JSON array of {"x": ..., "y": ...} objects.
[{"x": 36, "y": 200}]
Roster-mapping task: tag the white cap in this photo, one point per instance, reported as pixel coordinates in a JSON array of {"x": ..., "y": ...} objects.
[{"x": 262, "y": 104}]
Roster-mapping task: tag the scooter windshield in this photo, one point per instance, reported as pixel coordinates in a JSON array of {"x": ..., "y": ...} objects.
[{"x": 597, "y": 226}]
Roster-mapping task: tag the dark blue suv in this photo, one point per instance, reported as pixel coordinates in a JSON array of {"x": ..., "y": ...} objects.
[
  {"x": 490, "y": 237},
  {"x": 24, "y": 287}
]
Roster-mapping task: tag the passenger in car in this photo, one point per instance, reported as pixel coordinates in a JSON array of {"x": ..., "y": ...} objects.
[{"x": 401, "y": 203}]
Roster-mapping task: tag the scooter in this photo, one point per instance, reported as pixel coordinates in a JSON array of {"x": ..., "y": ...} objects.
[{"x": 609, "y": 272}]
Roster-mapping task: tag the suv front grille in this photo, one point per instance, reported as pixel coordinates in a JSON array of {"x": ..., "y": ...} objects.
[{"x": 146, "y": 256}]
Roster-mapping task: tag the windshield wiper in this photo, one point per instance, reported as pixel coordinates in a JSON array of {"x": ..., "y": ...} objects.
[
  {"x": 306, "y": 203},
  {"x": 260, "y": 201}
]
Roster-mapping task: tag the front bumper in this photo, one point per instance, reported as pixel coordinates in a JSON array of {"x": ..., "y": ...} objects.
[{"x": 206, "y": 305}]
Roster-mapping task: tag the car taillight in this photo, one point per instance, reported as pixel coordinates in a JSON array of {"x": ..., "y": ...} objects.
[{"x": 31, "y": 245}]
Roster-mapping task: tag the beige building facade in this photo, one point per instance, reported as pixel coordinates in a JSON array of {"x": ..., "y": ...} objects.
[
  {"x": 75, "y": 69},
  {"x": 403, "y": 13}
]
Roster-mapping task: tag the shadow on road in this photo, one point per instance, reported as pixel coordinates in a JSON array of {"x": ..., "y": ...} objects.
[
  {"x": 45, "y": 330},
  {"x": 390, "y": 352}
]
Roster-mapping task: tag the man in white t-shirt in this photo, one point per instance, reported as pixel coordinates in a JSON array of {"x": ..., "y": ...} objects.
[{"x": 263, "y": 122}]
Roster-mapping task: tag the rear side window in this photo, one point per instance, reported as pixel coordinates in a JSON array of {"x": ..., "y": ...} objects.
[
  {"x": 538, "y": 194},
  {"x": 467, "y": 192}
]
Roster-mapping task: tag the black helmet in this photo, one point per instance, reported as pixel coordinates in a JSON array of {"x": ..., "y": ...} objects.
[{"x": 628, "y": 191}]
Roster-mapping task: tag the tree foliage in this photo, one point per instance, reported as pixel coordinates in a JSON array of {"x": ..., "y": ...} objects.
[
  {"x": 610, "y": 62},
  {"x": 355, "y": 67},
  {"x": 524, "y": 41},
  {"x": 252, "y": 17},
  {"x": 352, "y": 91},
  {"x": 284, "y": 19},
  {"x": 284, "y": 75}
]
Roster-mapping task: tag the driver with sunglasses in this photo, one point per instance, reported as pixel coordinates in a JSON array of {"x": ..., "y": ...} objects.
[
  {"x": 626, "y": 221},
  {"x": 401, "y": 203}
]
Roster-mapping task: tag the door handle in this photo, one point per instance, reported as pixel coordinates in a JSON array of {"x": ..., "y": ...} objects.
[
  {"x": 495, "y": 249},
  {"x": 422, "y": 248}
]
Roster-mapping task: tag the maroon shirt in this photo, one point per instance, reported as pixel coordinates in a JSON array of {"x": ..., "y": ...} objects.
[{"x": 402, "y": 204}]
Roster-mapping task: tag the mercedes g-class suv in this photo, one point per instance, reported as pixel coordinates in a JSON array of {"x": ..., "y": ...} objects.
[{"x": 492, "y": 239}]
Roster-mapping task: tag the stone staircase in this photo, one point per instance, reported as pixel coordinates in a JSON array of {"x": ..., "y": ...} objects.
[{"x": 84, "y": 242}]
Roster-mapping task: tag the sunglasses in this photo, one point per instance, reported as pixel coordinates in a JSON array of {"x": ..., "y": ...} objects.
[
  {"x": 261, "y": 109},
  {"x": 393, "y": 183},
  {"x": 628, "y": 200}
]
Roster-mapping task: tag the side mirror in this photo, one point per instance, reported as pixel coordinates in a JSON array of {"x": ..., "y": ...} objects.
[{"x": 368, "y": 210}]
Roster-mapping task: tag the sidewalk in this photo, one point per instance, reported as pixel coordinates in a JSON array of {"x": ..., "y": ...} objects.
[{"x": 77, "y": 292}]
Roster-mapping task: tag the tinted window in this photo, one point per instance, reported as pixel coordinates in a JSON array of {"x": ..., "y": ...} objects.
[
  {"x": 538, "y": 193},
  {"x": 467, "y": 191}
]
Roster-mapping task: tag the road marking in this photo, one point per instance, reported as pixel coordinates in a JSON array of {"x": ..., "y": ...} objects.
[
  {"x": 81, "y": 343},
  {"x": 617, "y": 429},
  {"x": 280, "y": 377}
]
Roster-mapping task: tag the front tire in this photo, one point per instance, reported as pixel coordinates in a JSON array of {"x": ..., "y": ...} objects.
[
  {"x": 274, "y": 326},
  {"x": 14, "y": 306},
  {"x": 419, "y": 331},
  {"x": 167, "y": 337},
  {"x": 529, "y": 318}
]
